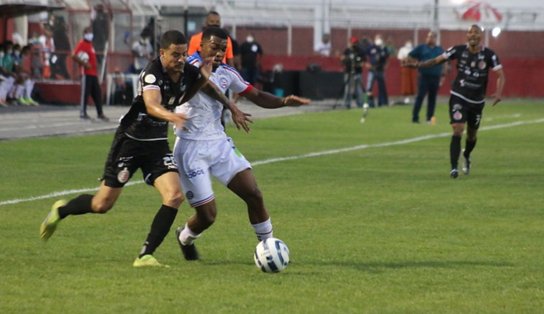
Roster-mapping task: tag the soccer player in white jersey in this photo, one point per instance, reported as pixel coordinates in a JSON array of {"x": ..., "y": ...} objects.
[{"x": 203, "y": 149}]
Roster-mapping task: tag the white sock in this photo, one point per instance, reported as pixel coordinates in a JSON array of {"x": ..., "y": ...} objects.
[
  {"x": 263, "y": 230},
  {"x": 187, "y": 236}
]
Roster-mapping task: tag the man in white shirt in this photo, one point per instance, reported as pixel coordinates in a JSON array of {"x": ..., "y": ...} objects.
[{"x": 203, "y": 149}]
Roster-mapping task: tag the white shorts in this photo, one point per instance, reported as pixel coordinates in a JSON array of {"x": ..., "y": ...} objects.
[{"x": 197, "y": 160}]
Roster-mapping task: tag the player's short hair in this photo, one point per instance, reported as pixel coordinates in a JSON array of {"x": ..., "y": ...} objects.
[
  {"x": 476, "y": 26},
  {"x": 212, "y": 12},
  {"x": 172, "y": 37},
  {"x": 214, "y": 31}
]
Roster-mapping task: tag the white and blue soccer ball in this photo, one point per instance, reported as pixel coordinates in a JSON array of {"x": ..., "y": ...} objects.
[{"x": 271, "y": 255}]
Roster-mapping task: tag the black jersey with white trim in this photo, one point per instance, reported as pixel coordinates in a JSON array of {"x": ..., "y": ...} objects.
[
  {"x": 137, "y": 124},
  {"x": 472, "y": 71}
]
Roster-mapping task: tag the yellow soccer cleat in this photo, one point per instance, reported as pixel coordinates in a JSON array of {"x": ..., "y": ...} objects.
[
  {"x": 50, "y": 222},
  {"x": 147, "y": 261}
]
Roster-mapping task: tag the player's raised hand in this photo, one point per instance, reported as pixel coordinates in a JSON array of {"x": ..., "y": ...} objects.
[{"x": 295, "y": 101}]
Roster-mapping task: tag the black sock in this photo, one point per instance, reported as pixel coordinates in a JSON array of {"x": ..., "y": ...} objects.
[
  {"x": 77, "y": 206},
  {"x": 469, "y": 146},
  {"x": 159, "y": 229},
  {"x": 455, "y": 150}
]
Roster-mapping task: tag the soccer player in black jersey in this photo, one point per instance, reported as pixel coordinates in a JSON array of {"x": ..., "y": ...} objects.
[
  {"x": 467, "y": 98},
  {"x": 141, "y": 142}
]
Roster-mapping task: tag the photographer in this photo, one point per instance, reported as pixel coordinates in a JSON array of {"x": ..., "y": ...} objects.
[{"x": 353, "y": 59}]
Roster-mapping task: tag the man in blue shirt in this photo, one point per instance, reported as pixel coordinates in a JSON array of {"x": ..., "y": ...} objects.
[
  {"x": 429, "y": 79},
  {"x": 377, "y": 55}
]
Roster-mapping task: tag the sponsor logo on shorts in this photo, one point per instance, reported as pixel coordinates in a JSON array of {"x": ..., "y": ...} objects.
[
  {"x": 457, "y": 115},
  {"x": 189, "y": 195},
  {"x": 123, "y": 175},
  {"x": 194, "y": 173}
]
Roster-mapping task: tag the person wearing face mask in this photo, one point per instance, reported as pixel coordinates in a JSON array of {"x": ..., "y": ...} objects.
[
  {"x": 85, "y": 55},
  {"x": 142, "y": 51},
  {"x": 377, "y": 56},
  {"x": 251, "y": 54},
  {"x": 213, "y": 19}
]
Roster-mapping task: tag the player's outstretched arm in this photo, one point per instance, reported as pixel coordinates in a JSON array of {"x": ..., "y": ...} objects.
[
  {"x": 240, "y": 118},
  {"x": 269, "y": 101}
]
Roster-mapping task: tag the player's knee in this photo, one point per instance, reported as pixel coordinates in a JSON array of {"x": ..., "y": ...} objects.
[
  {"x": 207, "y": 217},
  {"x": 174, "y": 199},
  {"x": 102, "y": 207}
]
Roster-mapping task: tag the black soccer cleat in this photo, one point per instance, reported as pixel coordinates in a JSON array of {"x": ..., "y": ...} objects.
[
  {"x": 454, "y": 173},
  {"x": 189, "y": 251}
]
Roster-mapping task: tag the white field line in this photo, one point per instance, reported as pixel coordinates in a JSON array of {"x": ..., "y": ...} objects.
[{"x": 296, "y": 157}]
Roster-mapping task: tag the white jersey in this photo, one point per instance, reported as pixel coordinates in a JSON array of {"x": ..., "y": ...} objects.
[{"x": 203, "y": 112}]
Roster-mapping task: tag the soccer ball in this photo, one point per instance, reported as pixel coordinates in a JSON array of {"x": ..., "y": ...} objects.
[
  {"x": 83, "y": 56},
  {"x": 271, "y": 255}
]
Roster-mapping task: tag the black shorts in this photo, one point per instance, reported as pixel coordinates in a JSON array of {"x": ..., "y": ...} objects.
[
  {"x": 127, "y": 155},
  {"x": 462, "y": 111}
]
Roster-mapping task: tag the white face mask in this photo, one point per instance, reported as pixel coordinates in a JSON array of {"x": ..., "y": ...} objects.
[
  {"x": 378, "y": 42},
  {"x": 88, "y": 36},
  {"x": 249, "y": 39}
]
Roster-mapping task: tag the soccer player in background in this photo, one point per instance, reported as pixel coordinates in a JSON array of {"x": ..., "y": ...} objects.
[
  {"x": 141, "y": 142},
  {"x": 467, "y": 97},
  {"x": 203, "y": 149}
]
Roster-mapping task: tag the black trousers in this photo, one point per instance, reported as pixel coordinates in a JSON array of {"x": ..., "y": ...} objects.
[{"x": 90, "y": 87}]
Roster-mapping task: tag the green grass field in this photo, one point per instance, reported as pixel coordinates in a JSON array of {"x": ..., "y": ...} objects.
[{"x": 373, "y": 222}]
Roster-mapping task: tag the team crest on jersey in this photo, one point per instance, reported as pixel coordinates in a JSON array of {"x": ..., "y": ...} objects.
[
  {"x": 482, "y": 65},
  {"x": 150, "y": 79},
  {"x": 171, "y": 100},
  {"x": 189, "y": 195},
  {"x": 223, "y": 83},
  {"x": 123, "y": 175}
]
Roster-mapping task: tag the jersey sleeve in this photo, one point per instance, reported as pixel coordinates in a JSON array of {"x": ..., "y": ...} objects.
[
  {"x": 452, "y": 52},
  {"x": 195, "y": 60},
  {"x": 415, "y": 53},
  {"x": 237, "y": 83},
  {"x": 149, "y": 78},
  {"x": 78, "y": 48},
  {"x": 495, "y": 62}
]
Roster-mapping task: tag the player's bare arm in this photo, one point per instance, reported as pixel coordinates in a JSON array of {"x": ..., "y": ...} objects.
[
  {"x": 428, "y": 63},
  {"x": 501, "y": 79},
  {"x": 152, "y": 100},
  {"x": 241, "y": 119},
  {"x": 269, "y": 101}
]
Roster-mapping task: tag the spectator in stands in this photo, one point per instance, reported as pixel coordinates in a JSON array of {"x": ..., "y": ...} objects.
[
  {"x": 324, "y": 47},
  {"x": 251, "y": 54},
  {"x": 429, "y": 79},
  {"x": 407, "y": 74},
  {"x": 353, "y": 60},
  {"x": 24, "y": 85},
  {"x": 142, "y": 52},
  {"x": 376, "y": 63},
  {"x": 213, "y": 19},
  {"x": 62, "y": 49},
  {"x": 7, "y": 78}
]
